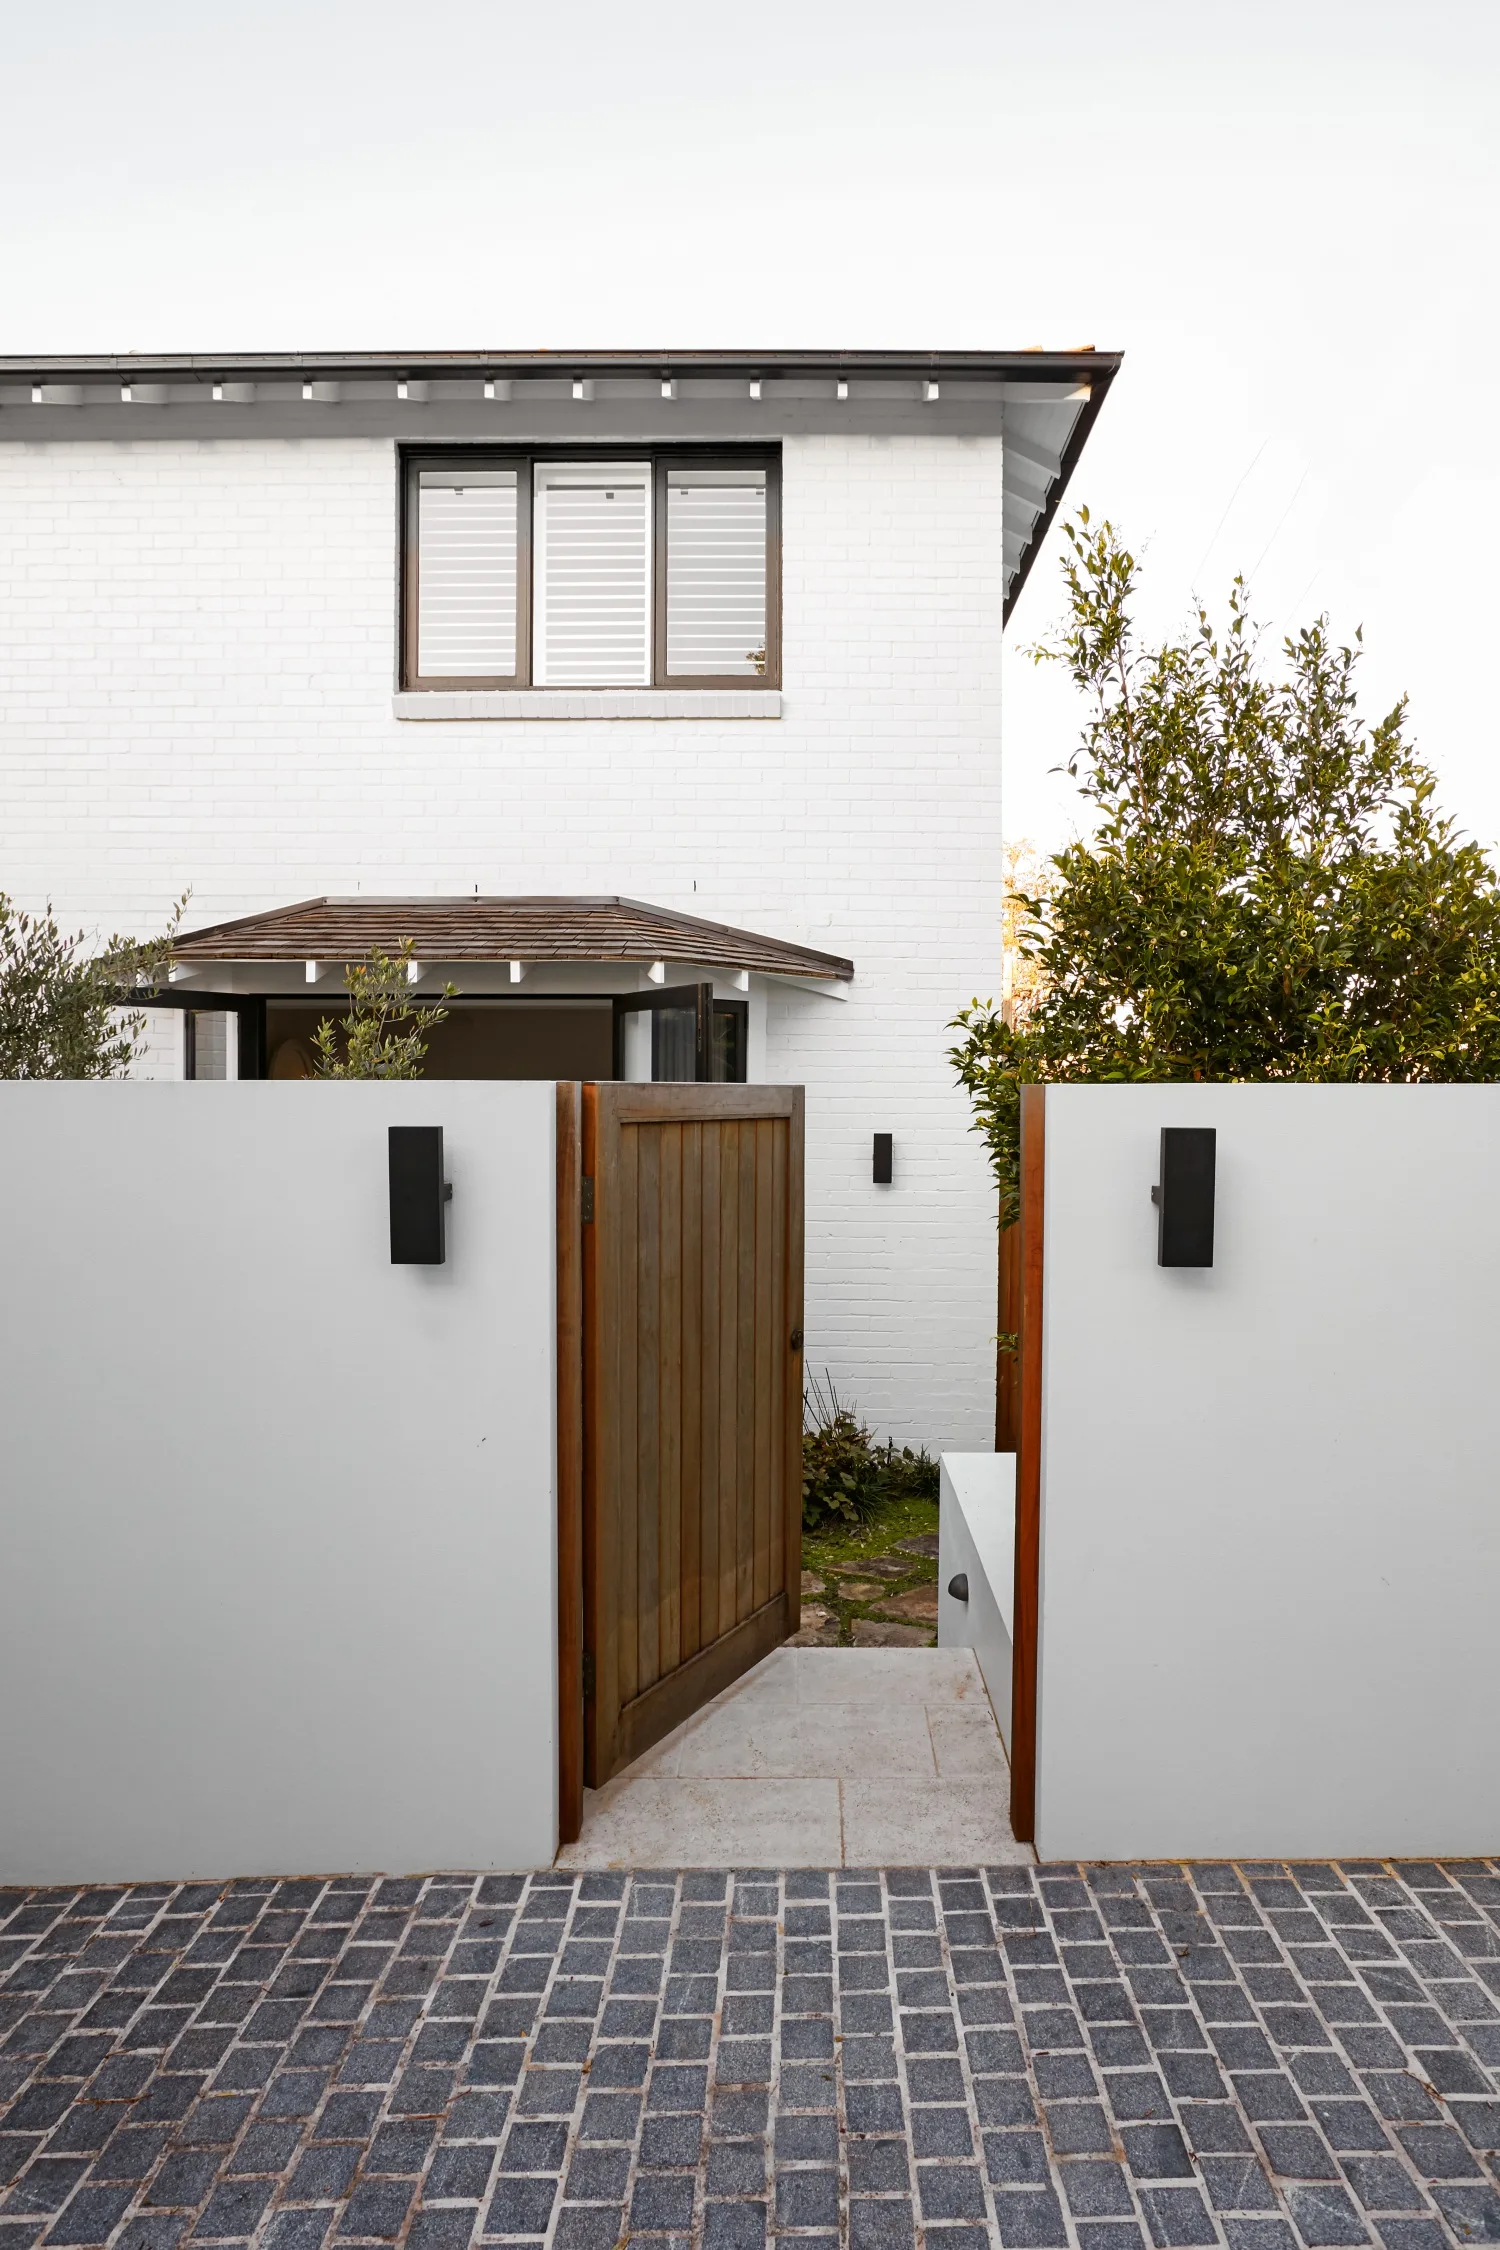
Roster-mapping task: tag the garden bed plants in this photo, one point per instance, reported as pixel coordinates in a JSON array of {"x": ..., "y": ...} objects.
[{"x": 869, "y": 1534}]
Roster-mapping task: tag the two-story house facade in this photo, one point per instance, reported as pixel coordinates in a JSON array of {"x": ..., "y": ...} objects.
[{"x": 655, "y": 697}]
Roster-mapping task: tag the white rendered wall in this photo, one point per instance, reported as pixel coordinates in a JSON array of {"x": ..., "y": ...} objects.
[
  {"x": 1270, "y": 1498},
  {"x": 277, "y": 1516},
  {"x": 197, "y": 663}
]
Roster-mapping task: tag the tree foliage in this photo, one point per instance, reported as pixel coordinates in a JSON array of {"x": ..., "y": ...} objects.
[
  {"x": 1269, "y": 890},
  {"x": 384, "y": 1033},
  {"x": 69, "y": 1010}
]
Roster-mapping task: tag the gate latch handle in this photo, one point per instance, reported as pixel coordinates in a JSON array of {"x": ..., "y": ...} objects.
[{"x": 796, "y": 1339}]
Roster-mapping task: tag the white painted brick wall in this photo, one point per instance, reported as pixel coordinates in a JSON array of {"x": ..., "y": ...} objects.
[
  {"x": 158, "y": 1046},
  {"x": 197, "y": 652}
]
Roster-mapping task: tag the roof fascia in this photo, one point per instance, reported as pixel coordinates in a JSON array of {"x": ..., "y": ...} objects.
[
  {"x": 801, "y": 961},
  {"x": 1085, "y": 366}
]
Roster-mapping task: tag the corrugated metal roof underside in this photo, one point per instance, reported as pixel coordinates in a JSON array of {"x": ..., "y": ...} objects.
[
  {"x": 501, "y": 929},
  {"x": 1039, "y": 440}
]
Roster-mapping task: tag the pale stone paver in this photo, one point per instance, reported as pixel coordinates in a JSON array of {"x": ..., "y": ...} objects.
[{"x": 818, "y": 1758}]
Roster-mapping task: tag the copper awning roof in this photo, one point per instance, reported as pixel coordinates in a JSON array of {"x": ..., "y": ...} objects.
[{"x": 500, "y": 929}]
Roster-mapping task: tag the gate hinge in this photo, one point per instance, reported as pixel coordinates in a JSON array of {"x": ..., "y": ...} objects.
[
  {"x": 588, "y": 1675},
  {"x": 586, "y": 1200}
]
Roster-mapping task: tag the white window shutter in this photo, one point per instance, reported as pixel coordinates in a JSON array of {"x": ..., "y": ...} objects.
[
  {"x": 716, "y": 573},
  {"x": 592, "y": 583},
  {"x": 466, "y": 574}
]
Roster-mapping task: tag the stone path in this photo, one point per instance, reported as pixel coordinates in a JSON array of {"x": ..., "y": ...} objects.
[
  {"x": 1047, "y": 2057},
  {"x": 884, "y": 1600},
  {"x": 818, "y": 1758}
]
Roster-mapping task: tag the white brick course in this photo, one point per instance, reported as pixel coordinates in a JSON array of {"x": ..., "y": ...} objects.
[{"x": 197, "y": 678}]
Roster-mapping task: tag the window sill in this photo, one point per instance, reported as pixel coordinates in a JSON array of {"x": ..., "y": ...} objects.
[{"x": 588, "y": 703}]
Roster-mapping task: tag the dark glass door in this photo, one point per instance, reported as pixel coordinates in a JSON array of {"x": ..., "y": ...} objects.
[
  {"x": 665, "y": 1034},
  {"x": 681, "y": 1034}
]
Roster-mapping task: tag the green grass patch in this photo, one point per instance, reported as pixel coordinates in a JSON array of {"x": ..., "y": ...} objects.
[
  {"x": 896, "y": 1519},
  {"x": 844, "y": 1547}
]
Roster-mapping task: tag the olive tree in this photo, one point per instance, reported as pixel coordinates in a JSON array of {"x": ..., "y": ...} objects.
[
  {"x": 70, "y": 1008},
  {"x": 384, "y": 1032}
]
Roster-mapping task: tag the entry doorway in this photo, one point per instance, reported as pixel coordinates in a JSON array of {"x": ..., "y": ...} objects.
[
  {"x": 668, "y": 1034},
  {"x": 819, "y": 1757},
  {"x": 682, "y": 1034},
  {"x": 550, "y": 1038},
  {"x": 210, "y": 1043}
]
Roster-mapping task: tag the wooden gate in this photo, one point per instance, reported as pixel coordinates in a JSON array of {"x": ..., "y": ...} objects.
[
  {"x": 1018, "y": 1430},
  {"x": 690, "y": 1295},
  {"x": 1026, "y": 1285}
]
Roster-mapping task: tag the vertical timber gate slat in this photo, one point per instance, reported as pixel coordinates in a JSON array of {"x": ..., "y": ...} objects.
[{"x": 692, "y": 1405}]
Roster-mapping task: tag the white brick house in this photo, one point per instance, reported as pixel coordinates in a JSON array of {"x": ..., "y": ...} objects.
[{"x": 358, "y": 633}]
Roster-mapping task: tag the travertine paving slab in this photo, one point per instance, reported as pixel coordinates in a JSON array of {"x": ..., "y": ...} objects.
[
  {"x": 1257, "y": 2057},
  {"x": 911, "y": 1728},
  {"x": 892, "y": 1823},
  {"x": 774, "y": 1680},
  {"x": 966, "y": 1744},
  {"x": 703, "y": 1821},
  {"x": 879, "y": 1675},
  {"x": 832, "y": 1741}
]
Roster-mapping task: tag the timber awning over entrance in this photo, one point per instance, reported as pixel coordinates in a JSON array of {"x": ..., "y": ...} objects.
[{"x": 523, "y": 930}]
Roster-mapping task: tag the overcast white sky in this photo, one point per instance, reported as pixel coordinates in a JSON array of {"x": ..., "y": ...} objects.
[{"x": 1285, "y": 214}]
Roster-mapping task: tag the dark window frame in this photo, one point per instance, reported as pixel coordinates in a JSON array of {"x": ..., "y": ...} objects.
[
  {"x": 699, "y": 997},
  {"x": 205, "y": 1005},
  {"x": 738, "y": 1011},
  {"x": 524, "y": 460},
  {"x": 453, "y": 458}
]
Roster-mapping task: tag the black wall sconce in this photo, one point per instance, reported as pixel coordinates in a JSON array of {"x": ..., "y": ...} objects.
[
  {"x": 882, "y": 1169},
  {"x": 1184, "y": 1196},
  {"x": 418, "y": 1194}
]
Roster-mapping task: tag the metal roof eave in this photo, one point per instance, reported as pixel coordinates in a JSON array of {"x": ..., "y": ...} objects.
[
  {"x": 1083, "y": 366},
  {"x": 1018, "y": 381}
]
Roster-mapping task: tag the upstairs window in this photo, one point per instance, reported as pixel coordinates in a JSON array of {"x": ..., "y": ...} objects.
[
  {"x": 591, "y": 582},
  {"x": 572, "y": 570},
  {"x": 716, "y": 573},
  {"x": 466, "y": 608}
]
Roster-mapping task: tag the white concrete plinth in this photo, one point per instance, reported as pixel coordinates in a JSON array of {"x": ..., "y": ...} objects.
[{"x": 977, "y": 1536}]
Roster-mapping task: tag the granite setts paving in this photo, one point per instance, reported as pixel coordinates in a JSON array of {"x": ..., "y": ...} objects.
[{"x": 1097, "y": 2057}]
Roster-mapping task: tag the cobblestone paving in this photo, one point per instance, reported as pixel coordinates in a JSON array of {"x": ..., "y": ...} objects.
[{"x": 1095, "y": 2057}]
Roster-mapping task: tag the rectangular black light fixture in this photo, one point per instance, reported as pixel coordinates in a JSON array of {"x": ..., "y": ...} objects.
[
  {"x": 418, "y": 1193},
  {"x": 882, "y": 1167},
  {"x": 1184, "y": 1197}
]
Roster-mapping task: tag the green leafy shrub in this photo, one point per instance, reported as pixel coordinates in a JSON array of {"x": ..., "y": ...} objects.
[
  {"x": 1268, "y": 891},
  {"x": 846, "y": 1477},
  {"x": 905, "y": 1475},
  {"x": 838, "y": 1461}
]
